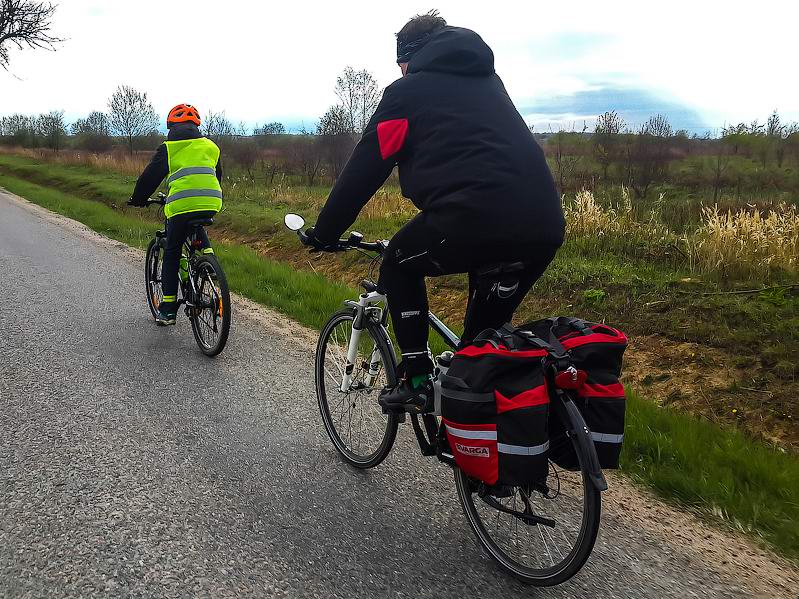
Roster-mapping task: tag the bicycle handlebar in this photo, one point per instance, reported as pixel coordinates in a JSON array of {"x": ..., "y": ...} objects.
[{"x": 354, "y": 241}]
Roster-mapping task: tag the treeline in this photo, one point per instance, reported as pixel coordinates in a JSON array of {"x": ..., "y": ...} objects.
[
  {"x": 131, "y": 123},
  {"x": 745, "y": 156}
]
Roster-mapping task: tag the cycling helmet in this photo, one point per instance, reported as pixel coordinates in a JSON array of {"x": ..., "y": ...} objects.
[{"x": 183, "y": 113}]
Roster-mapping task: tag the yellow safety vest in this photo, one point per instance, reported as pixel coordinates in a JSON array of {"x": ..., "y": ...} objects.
[{"x": 192, "y": 181}]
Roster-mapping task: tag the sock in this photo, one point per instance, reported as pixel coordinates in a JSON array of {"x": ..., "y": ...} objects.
[{"x": 416, "y": 381}]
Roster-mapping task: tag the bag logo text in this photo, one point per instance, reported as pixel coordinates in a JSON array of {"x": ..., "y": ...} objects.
[{"x": 471, "y": 450}]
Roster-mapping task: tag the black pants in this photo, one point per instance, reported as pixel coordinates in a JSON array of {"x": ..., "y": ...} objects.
[
  {"x": 176, "y": 233},
  {"x": 418, "y": 250}
]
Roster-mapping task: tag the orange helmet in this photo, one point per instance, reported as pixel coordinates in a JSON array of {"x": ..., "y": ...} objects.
[{"x": 183, "y": 113}]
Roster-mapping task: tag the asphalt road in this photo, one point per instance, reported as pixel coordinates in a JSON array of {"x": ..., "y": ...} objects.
[{"x": 132, "y": 465}]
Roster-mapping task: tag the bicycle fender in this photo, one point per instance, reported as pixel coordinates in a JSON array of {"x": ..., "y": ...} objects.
[{"x": 587, "y": 449}]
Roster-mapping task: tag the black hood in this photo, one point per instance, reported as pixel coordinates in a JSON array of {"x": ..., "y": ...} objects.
[
  {"x": 181, "y": 131},
  {"x": 454, "y": 50}
]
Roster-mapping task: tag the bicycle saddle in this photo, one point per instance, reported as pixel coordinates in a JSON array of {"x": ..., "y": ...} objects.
[
  {"x": 498, "y": 269},
  {"x": 200, "y": 222}
]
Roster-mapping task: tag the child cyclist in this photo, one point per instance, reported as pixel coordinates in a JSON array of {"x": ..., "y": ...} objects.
[{"x": 190, "y": 163}]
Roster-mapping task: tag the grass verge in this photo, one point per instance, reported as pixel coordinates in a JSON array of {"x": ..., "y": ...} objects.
[{"x": 720, "y": 473}]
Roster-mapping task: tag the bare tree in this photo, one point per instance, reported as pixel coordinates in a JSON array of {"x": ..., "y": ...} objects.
[
  {"x": 359, "y": 96},
  {"x": 336, "y": 138},
  {"x": 606, "y": 142},
  {"x": 217, "y": 126},
  {"x": 567, "y": 159},
  {"x": 720, "y": 166},
  {"x": 52, "y": 128},
  {"x": 25, "y": 23},
  {"x": 131, "y": 114},
  {"x": 306, "y": 155},
  {"x": 273, "y": 128},
  {"x": 93, "y": 133},
  {"x": 648, "y": 155}
]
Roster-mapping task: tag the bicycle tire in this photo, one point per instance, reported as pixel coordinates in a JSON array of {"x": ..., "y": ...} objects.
[
  {"x": 152, "y": 276},
  {"x": 219, "y": 312},
  {"x": 377, "y": 334},
  {"x": 544, "y": 577}
]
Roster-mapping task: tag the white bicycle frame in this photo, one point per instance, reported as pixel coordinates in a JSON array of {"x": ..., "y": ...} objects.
[{"x": 364, "y": 301}]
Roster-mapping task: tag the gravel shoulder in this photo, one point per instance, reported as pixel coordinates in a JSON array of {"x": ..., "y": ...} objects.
[{"x": 131, "y": 465}]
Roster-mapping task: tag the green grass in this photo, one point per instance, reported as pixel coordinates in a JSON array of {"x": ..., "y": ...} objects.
[{"x": 720, "y": 473}]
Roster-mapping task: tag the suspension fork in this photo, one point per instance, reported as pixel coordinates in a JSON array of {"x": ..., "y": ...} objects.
[{"x": 359, "y": 323}]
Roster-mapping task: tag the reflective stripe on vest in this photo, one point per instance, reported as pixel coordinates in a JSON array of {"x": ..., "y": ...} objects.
[
  {"x": 195, "y": 193},
  {"x": 191, "y": 170},
  {"x": 193, "y": 185}
]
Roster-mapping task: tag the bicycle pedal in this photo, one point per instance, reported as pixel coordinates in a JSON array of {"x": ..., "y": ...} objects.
[{"x": 398, "y": 412}]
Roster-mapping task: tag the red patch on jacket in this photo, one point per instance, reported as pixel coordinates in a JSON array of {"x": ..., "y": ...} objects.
[{"x": 391, "y": 136}]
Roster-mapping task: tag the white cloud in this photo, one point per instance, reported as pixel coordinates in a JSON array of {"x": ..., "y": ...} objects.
[{"x": 265, "y": 61}]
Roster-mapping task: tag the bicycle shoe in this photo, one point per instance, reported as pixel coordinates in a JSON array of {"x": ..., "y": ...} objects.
[
  {"x": 403, "y": 397},
  {"x": 167, "y": 316}
]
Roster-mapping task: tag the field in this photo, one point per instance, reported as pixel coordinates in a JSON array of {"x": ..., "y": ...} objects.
[{"x": 709, "y": 296}]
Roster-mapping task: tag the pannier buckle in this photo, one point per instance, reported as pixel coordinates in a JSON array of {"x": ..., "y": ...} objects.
[{"x": 571, "y": 378}]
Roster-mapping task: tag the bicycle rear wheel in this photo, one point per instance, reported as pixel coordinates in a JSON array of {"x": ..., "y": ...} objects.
[
  {"x": 536, "y": 553},
  {"x": 210, "y": 316},
  {"x": 359, "y": 430},
  {"x": 152, "y": 276}
]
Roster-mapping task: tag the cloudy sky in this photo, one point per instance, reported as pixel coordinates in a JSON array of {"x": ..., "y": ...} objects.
[{"x": 704, "y": 63}]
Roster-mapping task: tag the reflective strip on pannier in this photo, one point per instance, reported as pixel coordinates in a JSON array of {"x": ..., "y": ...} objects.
[
  {"x": 522, "y": 450},
  {"x": 606, "y": 437},
  {"x": 465, "y": 434}
]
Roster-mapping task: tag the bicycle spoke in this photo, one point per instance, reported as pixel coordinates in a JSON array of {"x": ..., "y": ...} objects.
[{"x": 357, "y": 420}]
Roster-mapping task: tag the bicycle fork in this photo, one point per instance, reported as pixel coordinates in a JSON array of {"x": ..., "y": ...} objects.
[{"x": 365, "y": 300}]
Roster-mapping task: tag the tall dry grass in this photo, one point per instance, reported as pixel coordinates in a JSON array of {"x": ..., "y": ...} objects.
[
  {"x": 614, "y": 227},
  {"x": 748, "y": 243},
  {"x": 389, "y": 202},
  {"x": 118, "y": 161}
]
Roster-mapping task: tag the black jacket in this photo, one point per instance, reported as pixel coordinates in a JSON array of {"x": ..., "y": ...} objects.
[
  {"x": 158, "y": 168},
  {"x": 466, "y": 157}
]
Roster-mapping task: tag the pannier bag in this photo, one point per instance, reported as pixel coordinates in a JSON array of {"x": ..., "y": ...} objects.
[
  {"x": 596, "y": 349},
  {"x": 495, "y": 405}
]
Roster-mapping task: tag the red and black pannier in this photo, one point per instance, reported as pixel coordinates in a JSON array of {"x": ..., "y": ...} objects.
[
  {"x": 495, "y": 399},
  {"x": 597, "y": 349},
  {"x": 495, "y": 406}
]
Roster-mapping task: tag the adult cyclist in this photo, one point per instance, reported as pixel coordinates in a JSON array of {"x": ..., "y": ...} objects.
[
  {"x": 470, "y": 164},
  {"x": 190, "y": 163}
]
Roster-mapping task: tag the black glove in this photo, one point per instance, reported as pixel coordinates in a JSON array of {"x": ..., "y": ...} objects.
[
  {"x": 309, "y": 238},
  {"x": 137, "y": 203}
]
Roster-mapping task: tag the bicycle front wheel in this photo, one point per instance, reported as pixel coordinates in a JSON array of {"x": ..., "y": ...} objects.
[
  {"x": 152, "y": 276},
  {"x": 546, "y": 552},
  {"x": 210, "y": 314},
  {"x": 359, "y": 430}
]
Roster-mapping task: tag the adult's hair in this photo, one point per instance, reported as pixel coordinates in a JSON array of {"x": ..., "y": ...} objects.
[{"x": 420, "y": 26}]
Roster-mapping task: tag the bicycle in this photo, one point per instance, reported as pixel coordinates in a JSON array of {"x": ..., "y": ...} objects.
[
  {"x": 203, "y": 286},
  {"x": 350, "y": 370}
]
